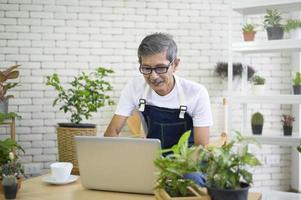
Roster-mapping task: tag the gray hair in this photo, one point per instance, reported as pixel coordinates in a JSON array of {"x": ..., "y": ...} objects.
[{"x": 158, "y": 43}]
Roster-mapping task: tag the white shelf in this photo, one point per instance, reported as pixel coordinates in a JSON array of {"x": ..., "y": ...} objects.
[
  {"x": 277, "y": 140},
  {"x": 267, "y": 99},
  {"x": 267, "y": 46},
  {"x": 248, "y": 7}
]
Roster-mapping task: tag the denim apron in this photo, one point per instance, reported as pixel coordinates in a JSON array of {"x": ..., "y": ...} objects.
[{"x": 166, "y": 124}]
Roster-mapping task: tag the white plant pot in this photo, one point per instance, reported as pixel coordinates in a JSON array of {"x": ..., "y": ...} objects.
[
  {"x": 295, "y": 34},
  {"x": 258, "y": 89}
]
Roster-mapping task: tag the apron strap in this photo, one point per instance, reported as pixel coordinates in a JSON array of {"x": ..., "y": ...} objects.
[
  {"x": 182, "y": 99},
  {"x": 142, "y": 101}
]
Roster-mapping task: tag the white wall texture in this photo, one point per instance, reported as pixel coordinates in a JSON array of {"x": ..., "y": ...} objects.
[{"x": 70, "y": 36}]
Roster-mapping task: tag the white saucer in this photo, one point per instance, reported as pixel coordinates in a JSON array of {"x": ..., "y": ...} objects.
[{"x": 51, "y": 180}]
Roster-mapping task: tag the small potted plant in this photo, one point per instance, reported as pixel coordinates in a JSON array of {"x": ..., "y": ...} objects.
[
  {"x": 257, "y": 85},
  {"x": 249, "y": 32},
  {"x": 179, "y": 172},
  {"x": 287, "y": 122},
  {"x": 293, "y": 26},
  {"x": 9, "y": 162},
  {"x": 272, "y": 23},
  {"x": 5, "y": 75},
  {"x": 86, "y": 94},
  {"x": 227, "y": 169},
  {"x": 257, "y": 121},
  {"x": 10, "y": 186},
  {"x": 221, "y": 69},
  {"x": 297, "y": 83}
]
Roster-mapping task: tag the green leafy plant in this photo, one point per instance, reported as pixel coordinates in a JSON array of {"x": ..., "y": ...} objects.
[
  {"x": 10, "y": 115},
  {"x": 5, "y": 75},
  {"x": 272, "y": 18},
  {"x": 287, "y": 120},
  {"x": 227, "y": 166},
  {"x": 292, "y": 24},
  {"x": 257, "y": 119},
  {"x": 258, "y": 80},
  {"x": 88, "y": 92},
  {"x": 9, "y": 163},
  {"x": 7, "y": 146},
  {"x": 297, "y": 79},
  {"x": 174, "y": 166},
  {"x": 248, "y": 28}
]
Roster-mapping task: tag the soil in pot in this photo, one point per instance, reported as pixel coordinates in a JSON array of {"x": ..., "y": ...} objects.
[
  {"x": 80, "y": 125},
  {"x": 287, "y": 130},
  {"x": 230, "y": 194},
  {"x": 257, "y": 129}
]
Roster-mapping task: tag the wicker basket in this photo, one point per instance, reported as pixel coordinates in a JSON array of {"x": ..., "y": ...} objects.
[{"x": 66, "y": 144}]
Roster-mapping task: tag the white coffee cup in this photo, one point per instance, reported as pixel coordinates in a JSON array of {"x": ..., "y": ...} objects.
[{"x": 60, "y": 171}]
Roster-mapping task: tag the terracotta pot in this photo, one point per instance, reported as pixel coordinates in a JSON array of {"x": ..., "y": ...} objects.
[{"x": 249, "y": 36}]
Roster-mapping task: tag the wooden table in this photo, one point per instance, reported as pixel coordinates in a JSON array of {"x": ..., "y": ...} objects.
[{"x": 35, "y": 189}]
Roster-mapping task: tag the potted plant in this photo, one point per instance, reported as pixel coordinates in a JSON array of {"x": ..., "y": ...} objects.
[
  {"x": 257, "y": 121},
  {"x": 272, "y": 24},
  {"x": 221, "y": 69},
  {"x": 287, "y": 122},
  {"x": 257, "y": 85},
  {"x": 293, "y": 26},
  {"x": 9, "y": 163},
  {"x": 5, "y": 75},
  {"x": 86, "y": 94},
  {"x": 10, "y": 186},
  {"x": 249, "y": 32},
  {"x": 227, "y": 169},
  {"x": 297, "y": 83},
  {"x": 179, "y": 174}
]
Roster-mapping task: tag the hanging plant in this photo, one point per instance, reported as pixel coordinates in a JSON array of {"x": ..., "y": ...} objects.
[{"x": 221, "y": 69}]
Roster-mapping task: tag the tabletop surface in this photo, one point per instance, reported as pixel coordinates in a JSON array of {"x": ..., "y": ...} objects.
[{"x": 36, "y": 189}]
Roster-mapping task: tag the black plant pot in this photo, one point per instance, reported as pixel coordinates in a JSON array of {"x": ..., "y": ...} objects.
[
  {"x": 230, "y": 194},
  {"x": 257, "y": 129},
  {"x": 275, "y": 33},
  {"x": 287, "y": 130},
  {"x": 297, "y": 89},
  {"x": 10, "y": 192}
]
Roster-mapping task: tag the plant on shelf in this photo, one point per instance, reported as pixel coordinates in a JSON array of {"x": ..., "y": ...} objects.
[
  {"x": 297, "y": 83},
  {"x": 257, "y": 121},
  {"x": 258, "y": 84},
  {"x": 5, "y": 75},
  {"x": 221, "y": 69},
  {"x": 176, "y": 168},
  {"x": 249, "y": 32},
  {"x": 227, "y": 168},
  {"x": 88, "y": 93},
  {"x": 272, "y": 23},
  {"x": 287, "y": 123},
  {"x": 85, "y": 95},
  {"x": 293, "y": 26}
]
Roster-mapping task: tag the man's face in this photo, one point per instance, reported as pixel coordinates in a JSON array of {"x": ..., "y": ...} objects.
[{"x": 161, "y": 83}]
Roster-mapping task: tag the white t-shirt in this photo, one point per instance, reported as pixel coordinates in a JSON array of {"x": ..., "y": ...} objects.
[{"x": 196, "y": 99}]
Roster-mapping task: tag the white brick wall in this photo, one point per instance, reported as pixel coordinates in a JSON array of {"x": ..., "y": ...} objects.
[{"x": 76, "y": 35}]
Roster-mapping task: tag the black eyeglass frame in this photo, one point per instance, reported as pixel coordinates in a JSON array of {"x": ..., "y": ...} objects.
[{"x": 156, "y": 69}]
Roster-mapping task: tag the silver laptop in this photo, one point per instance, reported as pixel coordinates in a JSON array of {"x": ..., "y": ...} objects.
[{"x": 117, "y": 164}]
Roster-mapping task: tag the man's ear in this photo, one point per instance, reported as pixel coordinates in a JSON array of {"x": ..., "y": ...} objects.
[{"x": 176, "y": 64}]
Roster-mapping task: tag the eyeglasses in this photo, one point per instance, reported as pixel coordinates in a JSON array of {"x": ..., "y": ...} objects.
[{"x": 159, "y": 69}]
